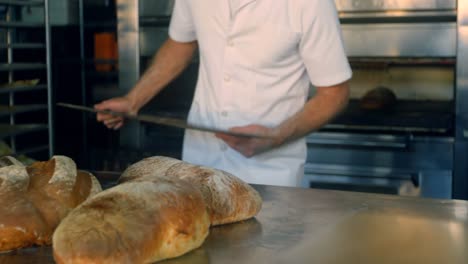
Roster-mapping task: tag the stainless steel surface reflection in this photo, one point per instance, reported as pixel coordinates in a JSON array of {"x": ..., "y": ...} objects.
[
  {"x": 317, "y": 226},
  {"x": 314, "y": 226}
]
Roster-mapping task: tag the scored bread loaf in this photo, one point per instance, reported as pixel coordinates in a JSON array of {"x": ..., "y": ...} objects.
[
  {"x": 21, "y": 223},
  {"x": 34, "y": 199},
  {"x": 227, "y": 197},
  {"x": 134, "y": 222}
]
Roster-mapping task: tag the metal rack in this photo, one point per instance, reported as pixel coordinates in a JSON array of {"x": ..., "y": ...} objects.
[{"x": 12, "y": 23}]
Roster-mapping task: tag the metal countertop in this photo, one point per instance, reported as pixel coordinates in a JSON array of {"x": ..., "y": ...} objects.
[{"x": 318, "y": 226}]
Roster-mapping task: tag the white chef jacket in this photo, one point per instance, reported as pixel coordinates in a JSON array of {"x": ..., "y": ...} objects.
[{"x": 256, "y": 65}]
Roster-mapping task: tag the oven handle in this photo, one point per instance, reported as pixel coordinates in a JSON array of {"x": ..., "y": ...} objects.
[
  {"x": 395, "y": 143},
  {"x": 362, "y": 173}
]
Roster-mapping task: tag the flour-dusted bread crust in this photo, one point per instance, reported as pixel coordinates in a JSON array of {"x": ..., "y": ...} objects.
[
  {"x": 21, "y": 224},
  {"x": 134, "y": 222},
  {"x": 152, "y": 167},
  {"x": 228, "y": 198},
  {"x": 57, "y": 187},
  {"x": 34, "y": 199}
]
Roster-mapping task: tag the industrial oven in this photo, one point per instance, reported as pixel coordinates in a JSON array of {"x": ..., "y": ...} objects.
[
  {"x": 415, "y": 48},
  {"x": 418, "y": 50}
]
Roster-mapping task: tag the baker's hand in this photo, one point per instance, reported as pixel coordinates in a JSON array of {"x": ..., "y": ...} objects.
[
  {"x": 251, "y": 146},
  {"x": 118, "y": 104}
]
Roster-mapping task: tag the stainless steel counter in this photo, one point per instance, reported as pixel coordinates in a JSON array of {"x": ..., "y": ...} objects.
[{"x": 317, "y": 226}]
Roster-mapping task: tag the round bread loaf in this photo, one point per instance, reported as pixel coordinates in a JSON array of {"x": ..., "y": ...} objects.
[
  {"x": 227, "y": 197},
  {"x": 148, "y": 168},
  {"x": 380, "y": 98},
  {"x": 34, "y": 199}
]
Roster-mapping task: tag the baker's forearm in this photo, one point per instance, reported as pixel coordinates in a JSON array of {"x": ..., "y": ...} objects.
[
  {"x": 318, "y": 111},
  {"x": 171, "y": 59}
]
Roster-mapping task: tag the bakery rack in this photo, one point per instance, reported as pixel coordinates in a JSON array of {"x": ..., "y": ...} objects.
[{"x": 25, "y": 78}]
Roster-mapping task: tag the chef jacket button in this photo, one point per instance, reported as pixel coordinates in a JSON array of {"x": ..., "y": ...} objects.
[
  {"x": 224, "y": 113},
  {"x": 230, "y": 43},
  {"x": 227, "y": 78}
]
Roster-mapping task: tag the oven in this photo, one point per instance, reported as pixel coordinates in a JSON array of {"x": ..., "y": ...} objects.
[{"x": 415, "y": 146}]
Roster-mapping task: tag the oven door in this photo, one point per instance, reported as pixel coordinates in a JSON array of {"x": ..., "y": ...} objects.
[
  {"x": 373, "y": 180},
  {"x": 380, "y": 163},
  {"x": 433, "y": 184}
]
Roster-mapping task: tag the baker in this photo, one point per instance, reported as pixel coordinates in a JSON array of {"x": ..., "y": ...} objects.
[{"x": 257, "y": 60}]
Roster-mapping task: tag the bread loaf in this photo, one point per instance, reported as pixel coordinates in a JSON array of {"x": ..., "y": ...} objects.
[
  {"x": 380, "y": 98},
  {"x": 161, "y": 209},
  {"x": 134, "y": 222},
  {"x": 228, "y": 198},
  {"x": 34, "y": 199},
  {"x": 21, "y": 223}
]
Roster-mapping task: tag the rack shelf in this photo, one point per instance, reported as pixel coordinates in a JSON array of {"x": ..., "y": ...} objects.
[
  {"x": 22, "y": 3},
  {"x": 23, "y": 46},
  {"x": 20, "y": 24},
  {"x": 22, "y": 88},
  {"x": 15, "y": 130},
  {"x": 6, "y": 110},
  {"x": 27, "y": 42},
  {"x": 22, "y": 66}
]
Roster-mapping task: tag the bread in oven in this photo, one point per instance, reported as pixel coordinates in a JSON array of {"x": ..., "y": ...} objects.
[{"x": 380, "y": 98}]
